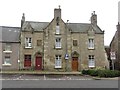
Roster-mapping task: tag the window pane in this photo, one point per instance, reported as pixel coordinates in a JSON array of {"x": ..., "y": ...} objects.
[
  {"x": 7, "y": 60},
  {"x": 74, "y": 42},
  {"x": 28, "y": 57},
  {"x": 28, "y": 42},
  {"x": 8, "y": 47},
  {"x": 91, "y": 61},
  {"x": 91, "y": 43},
  {"x": 57, "y": 29},
  {"x": 58, "y": 43},
  {"x": 58, "y": 61}
]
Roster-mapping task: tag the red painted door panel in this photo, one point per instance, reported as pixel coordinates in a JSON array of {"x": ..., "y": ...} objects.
[{"x": 38, "y": 63}]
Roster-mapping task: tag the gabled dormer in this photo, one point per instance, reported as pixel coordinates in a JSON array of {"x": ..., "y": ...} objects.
[
  {"x": 27, "y": 27},
  {"x": 91, "y": 31}
]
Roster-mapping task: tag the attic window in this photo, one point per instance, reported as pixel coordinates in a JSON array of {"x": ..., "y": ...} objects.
[{"x": 57, "y": 21}]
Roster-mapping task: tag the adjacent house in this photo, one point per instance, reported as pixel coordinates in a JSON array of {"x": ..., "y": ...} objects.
[
  {"x": 61, "y": 46},
  {"x": 115, "y": 47},
  {"x": 9, "y": 47}
]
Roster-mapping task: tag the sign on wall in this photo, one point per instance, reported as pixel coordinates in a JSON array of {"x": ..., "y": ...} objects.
[{"x": 112, "y": 55}]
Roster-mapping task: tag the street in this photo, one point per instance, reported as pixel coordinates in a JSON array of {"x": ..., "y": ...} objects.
[{"x": 55, "y": 81}]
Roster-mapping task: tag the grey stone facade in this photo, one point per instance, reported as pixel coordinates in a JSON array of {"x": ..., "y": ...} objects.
[
  {"x": 63, "y": 46},
  {"x": 115, "y": 47}
]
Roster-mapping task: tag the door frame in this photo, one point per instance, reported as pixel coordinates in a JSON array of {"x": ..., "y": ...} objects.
[
  {"x": 75, "y": 54},
  {"x": 77, "y": 63},
  {"x": 39, "y": 54}
]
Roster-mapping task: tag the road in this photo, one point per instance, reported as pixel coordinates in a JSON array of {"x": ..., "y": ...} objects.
[{"x": 55, "y": 81}]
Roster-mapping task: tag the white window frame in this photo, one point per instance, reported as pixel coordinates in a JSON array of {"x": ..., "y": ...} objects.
[
  {"x": 58, "y": 61},
  {"x": 91, "y": 44},
  {"x": 8, "y": 48},
  {"x": 91, "y": 61},
  {"x": 57, "y": 29},
  {"x": 28, "y": 42},
  {"x": 58, "y": 42},
  {"x": 7, "y": 61}
]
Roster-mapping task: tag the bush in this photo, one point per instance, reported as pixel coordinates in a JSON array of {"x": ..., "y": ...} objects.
[
  {"x": 101, "y": 73},
  {"x": 85, "y": 72}
]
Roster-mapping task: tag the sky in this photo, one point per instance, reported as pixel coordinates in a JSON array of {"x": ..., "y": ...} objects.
[{"x": 76, "y": 11}]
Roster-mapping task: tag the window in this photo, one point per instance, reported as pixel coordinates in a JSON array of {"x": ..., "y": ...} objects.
[
  {"x": 7, "y": 60},
  {"x": 91, "y": 61},
  {"x": 58, "y": 61},
  {"x": 27, "y": 60},
  {"x": 28, "y": 42},
  {"x": 58, "y": 43},
  {"x": 74, "y": 42},
  {"x": 57, "y": 29},
  {"x": 90, "y": 43},
  {"x": 39, "y": 42},
  {"x": 8, "y": 47}
]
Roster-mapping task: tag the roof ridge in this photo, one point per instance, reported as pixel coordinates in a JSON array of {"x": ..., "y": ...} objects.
[
  {"x": 80, "y": 23},
  {"x": 9, "y": 27},
  {"x": 36, "y": 22}
]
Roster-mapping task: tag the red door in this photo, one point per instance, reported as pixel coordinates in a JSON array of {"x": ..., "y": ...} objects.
[{"x": 38, "y": 63}]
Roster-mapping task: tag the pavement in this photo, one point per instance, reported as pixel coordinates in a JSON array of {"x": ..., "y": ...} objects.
[
  {"x": 55, "y": 73},
  {"x": 40, "y": 72}
]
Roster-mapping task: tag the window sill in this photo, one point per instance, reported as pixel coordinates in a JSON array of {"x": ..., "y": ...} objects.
[
  {"x": 6, "y": 64},
  {"x": 7, "y": 51},
  {"x": 91, "y": 48},
  {"x": 58, "y": 67},
  {"x": 57, "y": 33},
  {"x": 91, "y": 66},
  {"x": 58, "y": 48},
  {"x": 28, "y": 47}
]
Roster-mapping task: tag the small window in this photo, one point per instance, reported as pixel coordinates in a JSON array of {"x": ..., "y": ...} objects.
[
  {"x": 8, "y": 47},
  {"x": 74, "y": 42},
  {"x": 58, "y": 61},
  {"x": 57, "y": 21},
  {"x": 90, "y": 43},
  {"x": 39, "y": 42},
  {"x": 7, "y": 60},
  {"x": 58, "y": 43},
  {"x": 28, "y": 42},
  {"x": 57, "y": 29},
  {"x": 91, "y": 61}
]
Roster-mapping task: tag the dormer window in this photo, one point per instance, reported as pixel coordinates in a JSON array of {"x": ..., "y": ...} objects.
[{"x": 28, "y": 42}]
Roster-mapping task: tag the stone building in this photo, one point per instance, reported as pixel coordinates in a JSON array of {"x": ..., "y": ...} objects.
[
  {"x": 60, "y": 46},
  {"x": 115, "y": 47},
  {"x": 9, "y": 47}
]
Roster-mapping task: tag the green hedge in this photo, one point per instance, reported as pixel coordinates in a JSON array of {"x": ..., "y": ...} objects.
[{"x": 101, "y": 73}]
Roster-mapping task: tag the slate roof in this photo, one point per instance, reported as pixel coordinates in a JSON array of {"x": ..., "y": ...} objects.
[
  {"x": 37, "y": 26},
  {"x": 75, "y": 27},
  {"x": 10, "y": 34},
  {"x": 83, "y": 27}
]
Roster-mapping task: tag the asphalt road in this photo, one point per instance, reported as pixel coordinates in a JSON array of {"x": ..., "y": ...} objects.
[
  {"x": 55, "y": 81},
  {"x": 60, "y": 84}
]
